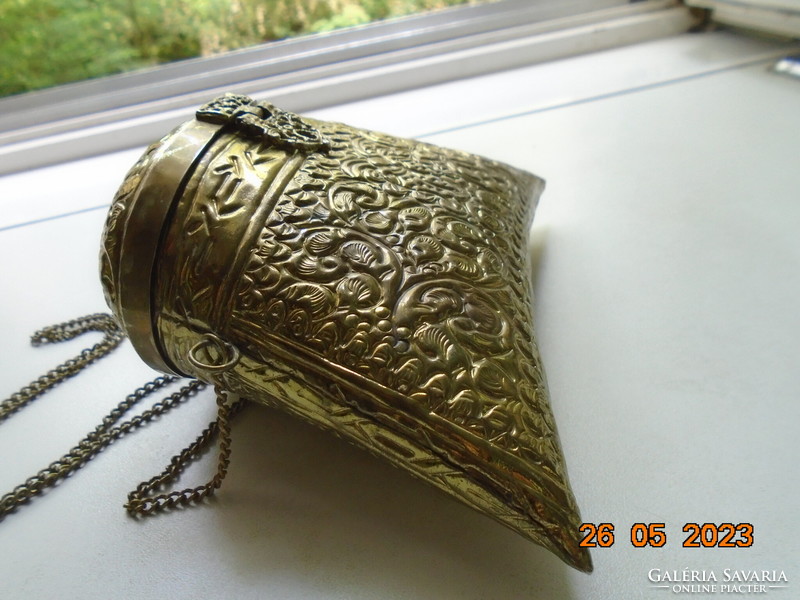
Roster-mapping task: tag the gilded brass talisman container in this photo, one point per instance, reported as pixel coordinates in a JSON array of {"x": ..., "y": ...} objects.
[{"x": 377, "y": 287}]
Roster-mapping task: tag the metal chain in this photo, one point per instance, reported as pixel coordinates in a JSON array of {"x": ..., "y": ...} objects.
[
  {"x": 108, "y": 431},
  {"x": 97, "y": 440},
  {"x": 140, "y": 503},
  {"x": 112, "y": 337}
]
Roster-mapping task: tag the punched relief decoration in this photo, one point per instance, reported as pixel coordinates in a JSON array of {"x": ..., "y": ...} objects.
[
  {"x": 399, "y": 260},
  {"x": 375, "y": 286}
]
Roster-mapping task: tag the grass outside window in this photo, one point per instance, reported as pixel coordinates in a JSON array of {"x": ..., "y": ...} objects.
[{"x": 50, "y": 42}]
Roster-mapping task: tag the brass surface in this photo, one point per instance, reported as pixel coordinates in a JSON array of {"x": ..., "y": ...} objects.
[
  {"x": 134, "y": 234},
  {"x": 375, "y": 286}
]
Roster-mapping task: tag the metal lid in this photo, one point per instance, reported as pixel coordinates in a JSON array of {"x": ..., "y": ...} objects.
[
  {"x": 137, "y": 218},
  {"x": 140, "y": 213}
]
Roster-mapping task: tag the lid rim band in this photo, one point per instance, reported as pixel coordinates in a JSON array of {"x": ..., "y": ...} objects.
[{"x": 147, "y": 219}]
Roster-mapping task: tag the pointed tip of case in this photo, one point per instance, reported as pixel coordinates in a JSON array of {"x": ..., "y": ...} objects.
[
  {"x": 583, "y": 562},
  {"x": 572, "y": 553}
]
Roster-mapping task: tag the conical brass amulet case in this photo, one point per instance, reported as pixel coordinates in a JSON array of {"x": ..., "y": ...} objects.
[{"x": 378, "y": 287}]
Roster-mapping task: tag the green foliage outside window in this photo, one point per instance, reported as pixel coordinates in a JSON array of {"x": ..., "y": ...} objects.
[{"x": 49, "y": 42}]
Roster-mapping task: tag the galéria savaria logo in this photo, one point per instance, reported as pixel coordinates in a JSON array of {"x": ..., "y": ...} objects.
[{"x": 719, "y": 581}]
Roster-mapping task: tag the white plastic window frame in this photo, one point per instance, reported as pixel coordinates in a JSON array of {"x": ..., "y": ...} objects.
[
  {"x": 112, "y": 113},
  {"x": 778, "y": 17}
]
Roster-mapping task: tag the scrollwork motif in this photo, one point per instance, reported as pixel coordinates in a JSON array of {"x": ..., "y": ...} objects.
[
  {"x": 375, "y": 286},
  {"x": 396, "y": 248}
]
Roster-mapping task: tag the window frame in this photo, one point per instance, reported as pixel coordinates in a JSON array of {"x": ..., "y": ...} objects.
[{"x": 310, "y": 72}]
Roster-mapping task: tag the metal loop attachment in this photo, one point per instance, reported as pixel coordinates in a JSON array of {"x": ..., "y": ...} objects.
[{"x": 214, "y": 354}]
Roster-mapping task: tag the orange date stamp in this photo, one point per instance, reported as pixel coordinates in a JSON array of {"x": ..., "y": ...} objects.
[{"x": 654, "y": 535}]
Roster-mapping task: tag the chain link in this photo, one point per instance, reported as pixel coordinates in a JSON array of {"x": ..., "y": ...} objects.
[
  {"x": 139, "y": 500},
  {"x": 112, "y": 337},
  {"x": 108, "y": 431}
]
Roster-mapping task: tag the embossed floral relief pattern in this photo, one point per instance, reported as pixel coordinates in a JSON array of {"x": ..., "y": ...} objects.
[{"x": 405, "y": 263}]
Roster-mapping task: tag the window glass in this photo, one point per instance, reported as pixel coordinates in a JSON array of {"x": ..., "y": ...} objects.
[{"x": 50, "y": 42}]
